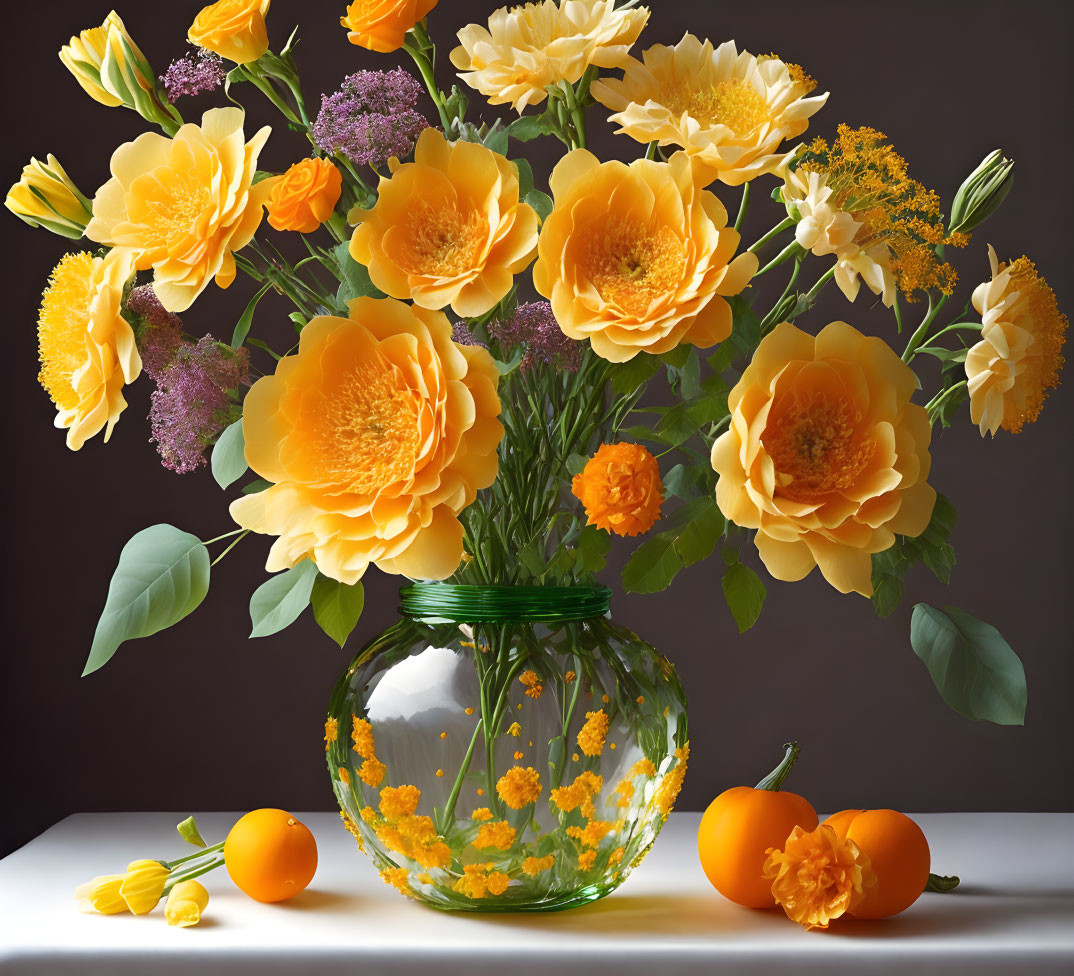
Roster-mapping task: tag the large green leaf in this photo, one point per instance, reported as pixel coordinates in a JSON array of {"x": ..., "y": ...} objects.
[
  {"x": 246, "y": 320},
  {"x": 162, "y": 575},
  {"x": 277, "y": 602},
  {"x": 337, "y": 607},
  {"x": 972, "y": 666},
  {"x": 702, "y": 526},
  {"x": 354, "y": 280},
  {"x": 744, "y": 593},
  {"x": 229, "y": 456},
  {"x": 653, "y": 566}
]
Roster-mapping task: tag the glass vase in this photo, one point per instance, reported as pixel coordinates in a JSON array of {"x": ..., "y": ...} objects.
[{"x": 506, "y": 748}]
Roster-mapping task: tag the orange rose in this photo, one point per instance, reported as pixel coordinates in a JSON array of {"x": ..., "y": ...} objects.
[
  {"x": 826, "y": 457},
  {"x": 621, "y": 489},
  {"x": 305, "y": 196},
  {"x": 381, "y": 25},
  {"x": 234, "y": 29}
]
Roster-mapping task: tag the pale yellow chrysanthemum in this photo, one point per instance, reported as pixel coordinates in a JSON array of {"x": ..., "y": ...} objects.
[
  {"x": 87, "y": 349},
  {"x": 527, "y": 48},
  {"x": 732, "y": 110}
]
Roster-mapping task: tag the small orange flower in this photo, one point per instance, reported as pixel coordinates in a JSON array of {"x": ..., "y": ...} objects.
[
  {"x": 593, "y": 833},
  {"x": 372, "y": 772},
  {"x": 362, "y": 736},
  {"x": 234, "y": 29},
  {"x": 499, "y": 834},
  {"x": 591, "y": 735},
  {"x": 331, "y": 732},
  {"x": 399, "y": 801},
  {"x": 818, "y": 877},
  {"x": 344, "y": 776},
  {"x": 535, "y": 865},
  {"x": 305, "y": 196},
  {"x": 585, "y": 861},
  {"x": 518, "y": 787},
  {"x": 585, "y": 786},
  {"x": 481, "y": 813},
  {"x": 532, "y": 682},
  {"x": 381, "y": 25},
  {"x": 621, "y": 489}
]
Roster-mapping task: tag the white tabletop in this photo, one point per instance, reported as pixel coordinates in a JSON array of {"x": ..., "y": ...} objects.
[{"x": 1013, "y": 913}]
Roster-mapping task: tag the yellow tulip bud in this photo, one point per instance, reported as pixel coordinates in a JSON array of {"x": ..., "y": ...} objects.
[
  {"x": 186, "y": 902},
  {"x": 101, "y": 895},
  {"x": 142, "y": 885},
  {"x": 46, "y": 197}
]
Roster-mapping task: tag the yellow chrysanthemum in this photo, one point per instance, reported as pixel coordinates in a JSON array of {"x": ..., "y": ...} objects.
[
  {"x": 592, "y": 833},
  {"x": 586, "y": 860},
  {"x": 416, "y": 838},
  {"x": 670, "y": 786},
  {"x": 585, "y": 786},
  {"x": 362, "y": 737},
  {"x": 731, "y": 110},
  {"x": 398, "y": 878},
  {"x": 372, "y": 772},
  {"x": 183, "y": 205},
  {"x": 86, "y": 347},
  {"x": 533, "y": 684},
  {"x": 638, "y": 258},
  {"x": 331, "y": 732},
  {"x": 1020, "y": 354},
  {"x": 481, "y": 813},
  {"x": 643, "y": 767},
  {"x": 518, "y": 787},
  {"x": 375, "y": 435},
  {"x": 826, "y": 457},
  {"x": 500, "y": 835},
  {"x": 525, "y": 49},
  {"x": 591, "y": 735},
  {"x": 620, "y": 489},
  {"x": 535, "y": 865},
  {"x": 479, "y": 880},
  {"x": 399, "y": 801},
  {"x": 448, "y": 228}
]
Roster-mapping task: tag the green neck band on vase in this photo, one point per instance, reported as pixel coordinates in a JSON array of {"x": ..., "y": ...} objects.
[{"x": 442, "y": 602}]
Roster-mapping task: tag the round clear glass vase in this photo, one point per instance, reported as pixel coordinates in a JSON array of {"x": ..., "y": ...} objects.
[{"x": 506, "y": 748}]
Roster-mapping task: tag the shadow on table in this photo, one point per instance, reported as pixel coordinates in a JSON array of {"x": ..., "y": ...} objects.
[{"x": 315, "y": 900}]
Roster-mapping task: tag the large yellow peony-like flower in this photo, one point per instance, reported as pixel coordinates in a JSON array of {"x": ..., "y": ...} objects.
[
  {"x": 825, "y": 456},
  {"x": 376, "y": 434},
  {"x": 731, "y": 109},
  {"x": 448, "y": 228},
  {"x": 234, "y": 29},
  {"x": 1018, "y": 359},
  {"x": 184, "y": 204},
  {"x": 637, "y": 258},
  {"x": 381, "y": 25},
  {"x": 525, "y": 49},
  {"x": 87, "y": 348}
]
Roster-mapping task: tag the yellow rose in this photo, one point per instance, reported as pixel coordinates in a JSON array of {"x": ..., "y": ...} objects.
[
  {"x": 234, "y": 29},
  {"x": 636, "y": 258},
  {"x": 87, "y": 347},
  {"x": 46, "y": 197},
  {"x": 184, "y": 204},
  {"x": 1019, "y": 356},
  {"x": 825, "y": 456},
  {"x": 305, "y": 196},
  {"x": 732, "y": 110},
  {"x": 447, "y": 229},
  {"x": 381, "y": 25},
  {"x": 525, "y": 49},
  {"x": 376, "y": 434}
]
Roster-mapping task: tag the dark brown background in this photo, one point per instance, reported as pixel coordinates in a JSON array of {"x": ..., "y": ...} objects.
[{"x": 201, "y": 718}]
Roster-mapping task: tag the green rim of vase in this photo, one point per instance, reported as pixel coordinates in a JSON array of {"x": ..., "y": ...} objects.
[{"x": 457, "y": 603}]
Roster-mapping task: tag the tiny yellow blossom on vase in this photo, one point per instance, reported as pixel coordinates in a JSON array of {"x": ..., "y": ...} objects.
[
  {"x": 362, "y": 737},
  {"x": 481, "y": 813},
  {"x": 817, "y": 877},
  {"x": 731, "y": 110},
  {"x": 142, "y": 885},
  {"x": 234, "y": 29},
  {"x": 372, "y": 772},
  {"x": 535, "y": 865},
  {"x": 101, "y": 895},
  {"x": 592, "y": 734},
  {"x": 344, "y": 776},
  {"x": 638, "y": 258},
  {"x": 643, "y": 767},
  {"x": 46, "y": 197},
  {"x": 1019, "y": 356},
  {"x": 382, "y": 25},
  {"x": 500, "y": 835},
  {"x": 398, "y": 878},
  {"x": 592, "y": 834},
  {"x": 526, "y": 48},
  {"x": 533, "y": 684},
  {"x": 586, "y": 859},
  {"x": 514, "y": 729},
  {"x": 448, "y": 228},
  {"x": 87, "y": 348},
  {"x": 620, "y": 489},
  {"x": 668, "y": 790},
  {"x": 185, "y": 904},
  {"x": 184, "y": 205},
  {"x": 331, "y": 732},
  {"x": 519, "y": 787},
  {"x": 399, "y": 801},
  {"x": 585, "y": 786}
]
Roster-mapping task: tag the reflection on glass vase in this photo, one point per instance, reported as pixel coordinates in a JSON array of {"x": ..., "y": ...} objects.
[{"x": 506, "y": 748}]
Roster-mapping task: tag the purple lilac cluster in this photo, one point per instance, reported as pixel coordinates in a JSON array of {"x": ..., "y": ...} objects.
[
  {"x": 195, "y": 399},
  {"x": 371, "y": 118},
  {"x": 199, "y": 72},
  {"x": 160, "y": 333},
  {"x": 535, "y": 327},
  {"x": 461, "y": 335}
]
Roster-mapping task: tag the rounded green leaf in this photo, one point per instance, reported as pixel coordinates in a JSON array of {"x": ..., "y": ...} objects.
[
  {"x": 337, "y": 607},
  {"x": 277, "y": 602},
  {"x": 229, "y": 455}
]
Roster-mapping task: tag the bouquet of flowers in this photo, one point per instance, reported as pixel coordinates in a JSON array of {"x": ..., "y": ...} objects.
[{"x": 488, "y": 381}]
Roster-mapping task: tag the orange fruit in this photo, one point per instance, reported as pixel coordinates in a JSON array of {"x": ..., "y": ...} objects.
[
  {"x": 899, "y": 854},
  {"x": 270, "y": 855}
]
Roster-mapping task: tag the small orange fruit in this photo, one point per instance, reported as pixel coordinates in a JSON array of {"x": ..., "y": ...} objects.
[
  {"x": 899, "y": 854},
  {"x": 270, "y": 855}
]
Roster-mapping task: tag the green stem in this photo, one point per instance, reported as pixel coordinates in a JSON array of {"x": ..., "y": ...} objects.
[
  {"x": 743, "y": 206},
  {"x": 190, "y": 875},
  {"x": 453, "y": 796},
  {"x": 226, "y": 535},
  {"x": 416, "y": 49},
  {"x": 650, "y": 151},
  {"x": 171, "y": 865},
  {"x": 792, "y": 250},
  {"x": 918, "y": 338},
  {"x": 936, "y": 403},
  {"x": 811, "y": 295},
  {"x": 774, "y": 232},
  {"x": 774, "y": 780},
  {"x": 233, "y": 544}
]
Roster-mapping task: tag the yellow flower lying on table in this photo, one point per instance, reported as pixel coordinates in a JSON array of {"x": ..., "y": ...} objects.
[
  {"x": 186, "y": 902},
  {"x": 234, "y": 29},
  {"x": 143, "y": 885}
]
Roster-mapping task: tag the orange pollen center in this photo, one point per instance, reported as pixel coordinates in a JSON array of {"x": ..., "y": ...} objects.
[
  {"x": 442, "y": 242},
  {"x": 815, "y": 447},
  {"x": 735, "y": 104},
  {"x": 171, "y": 204},
  {"x": 366, "y": 430},
  {"x": 631, "y": 265}
]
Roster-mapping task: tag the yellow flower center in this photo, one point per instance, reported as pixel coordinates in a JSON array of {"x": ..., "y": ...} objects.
[
  {"x": 631, "y": 265},
  {"x": 61, "y": 327},
  {"x": 366, "y": 429},
  {"x": 170, "y": 202},
  {"x": 815, "y": 446},
  {"x": 443, "y": 242},
  {"x": 735, "y": 104}
]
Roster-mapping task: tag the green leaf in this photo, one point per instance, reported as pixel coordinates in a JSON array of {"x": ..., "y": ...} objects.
[
  {"x": 685, "y": 481},
  {"x": 337, "y": 607},
  {"x": 255, "y": 486},
  {"x": 972, "y": 666},
  {"x": 496, "y": 140},
  {"x": 627, "y": 377},
  {"x": 889, "y": 569},
  {"x": 354, "y": 281},
  {"x": 162, "y": 575},
  {"x": 229, "y": 456},
  {"x": 541, "y": 202},
  {"x": 242, "y": 328},
  {"x": 746, "y": 326},
  {"x": 512, "y": 364},
  {"x": 277, "y": 602},
  {"x": 652, "y": 567},
  {"x": 188, "y": 830},
  {"x": 530, "y": 127},
  {"x": 525, "y": 177},
  {"x": 593, "y": 546},
  {"x": 575, "y": 464},
  {"x": 703, "y": 525},
  {"x": 744, "y": 593},
  {"x": 267, "y": 348}
]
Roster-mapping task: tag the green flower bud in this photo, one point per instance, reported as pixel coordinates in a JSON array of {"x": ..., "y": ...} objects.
[{"x": 982, "y": 192}]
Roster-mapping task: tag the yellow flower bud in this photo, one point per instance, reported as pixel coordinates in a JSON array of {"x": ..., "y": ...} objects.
[
  {"x": 46, "y": 197},
  {"x": 101, "y": 895},
  {"x": 186, "y": 902},
  {"x": 234, "y": 29},
  {"x": 142, "y": 885}
]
